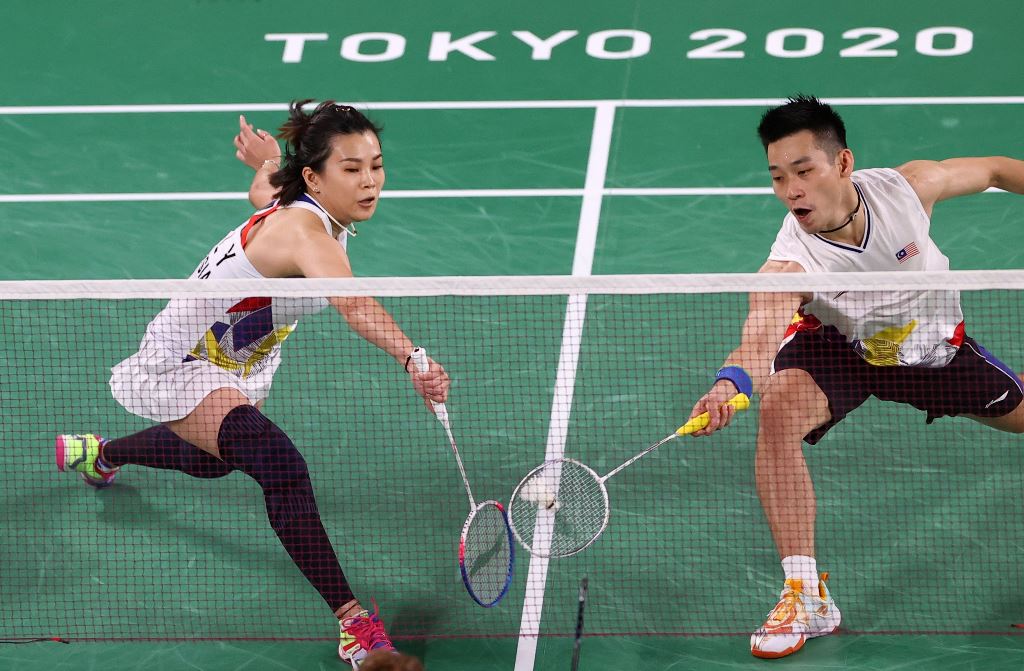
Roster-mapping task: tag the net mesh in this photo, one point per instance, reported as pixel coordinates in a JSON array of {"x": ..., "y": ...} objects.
[{"x": 919, "y": 525}]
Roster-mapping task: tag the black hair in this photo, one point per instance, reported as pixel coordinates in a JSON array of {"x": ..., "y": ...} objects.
[
  {"x": 803, "y": 112},
  {"x": 308, "y": 141}
]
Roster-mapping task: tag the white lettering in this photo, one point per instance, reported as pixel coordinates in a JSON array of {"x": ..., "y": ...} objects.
[
  {"x": 624, "y": 43},
  {"x": 542, "y": 48},
  {"x": 441, "y": 45},
  {"x": 597, "y": 44},
  {"x": 394, "y": 47},
  {"x": 294, "y": 43},
  {"x": 719, "y": 49},
  {"x": 813, "y": 42},
  {"x": 963, "y": 41},
  {"x": 870, "y": 48}
]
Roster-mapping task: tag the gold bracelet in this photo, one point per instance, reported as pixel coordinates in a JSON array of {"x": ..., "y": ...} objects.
[{"x": 277, "y": 166}]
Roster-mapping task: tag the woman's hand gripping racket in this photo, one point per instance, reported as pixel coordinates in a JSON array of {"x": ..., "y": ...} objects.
[
  {"x": 561, "y": 507},
  {"x": 486, "y": 549}
]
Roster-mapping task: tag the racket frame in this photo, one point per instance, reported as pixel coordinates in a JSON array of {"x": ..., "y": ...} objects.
[
  {"x": 510, "y": 539},
  {"x": 419, "y": 359},
  {"x": 543, "y": 511},
  {"x": 739, "y": 402}
]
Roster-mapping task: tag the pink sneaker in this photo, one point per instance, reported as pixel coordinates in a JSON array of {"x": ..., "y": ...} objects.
[{"x": 360, "y": 635}]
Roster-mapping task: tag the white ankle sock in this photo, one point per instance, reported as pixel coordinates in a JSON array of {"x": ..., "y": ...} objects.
[{"x": 803, "y": 568}]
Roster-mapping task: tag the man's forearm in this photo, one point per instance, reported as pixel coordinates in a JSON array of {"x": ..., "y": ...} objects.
[{"x": 1009, "y": 174}]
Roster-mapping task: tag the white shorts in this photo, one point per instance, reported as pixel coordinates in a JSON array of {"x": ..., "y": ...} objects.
[{"x": 163, "y": 391}]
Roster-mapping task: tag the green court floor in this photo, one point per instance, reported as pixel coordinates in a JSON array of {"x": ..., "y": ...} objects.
[{"x": 920, "y": 527}]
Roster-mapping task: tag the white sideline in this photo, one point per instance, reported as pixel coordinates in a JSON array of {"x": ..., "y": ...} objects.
[
  {"x": 177, "y": 108},
  {"x": 568, "y": 357}
]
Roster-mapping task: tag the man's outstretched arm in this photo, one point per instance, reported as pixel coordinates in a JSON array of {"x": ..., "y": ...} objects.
[
  {"x": 769, "y": 315},
  {"x": 940, "y": 180}
]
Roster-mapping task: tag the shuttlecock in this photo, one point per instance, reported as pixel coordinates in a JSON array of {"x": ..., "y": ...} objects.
[{"x": 536, "y": 492}]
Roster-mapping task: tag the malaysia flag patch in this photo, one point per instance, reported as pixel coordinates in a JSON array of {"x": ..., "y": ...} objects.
[{"x": 907, "y": 252}]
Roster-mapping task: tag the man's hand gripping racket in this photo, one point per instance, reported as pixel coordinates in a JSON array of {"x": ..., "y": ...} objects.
[
  {"x": 561, "y": 507},
  {"x": 716, "y": 407},
  {"x": 486, "y": 549}
]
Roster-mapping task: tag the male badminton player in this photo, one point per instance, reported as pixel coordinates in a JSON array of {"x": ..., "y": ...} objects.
[{"x": 812, "y": 370}]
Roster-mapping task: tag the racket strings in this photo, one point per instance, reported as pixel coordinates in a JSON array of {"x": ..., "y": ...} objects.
[
  {"x": 487, "y": 554},
  {"x": 576, "y": 519}
]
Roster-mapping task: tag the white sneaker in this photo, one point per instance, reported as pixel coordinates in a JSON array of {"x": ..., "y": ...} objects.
[{"x": 795, "y": 618}]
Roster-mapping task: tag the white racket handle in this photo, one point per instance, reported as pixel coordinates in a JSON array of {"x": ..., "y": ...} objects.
[{"x": 419, "y": 359}]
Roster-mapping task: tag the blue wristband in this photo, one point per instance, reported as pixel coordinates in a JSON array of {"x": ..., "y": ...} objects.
[{"x": 739, "y": 377}]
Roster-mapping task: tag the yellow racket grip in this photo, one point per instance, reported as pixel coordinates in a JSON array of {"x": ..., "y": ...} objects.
[{"x": 739, "y": 401}]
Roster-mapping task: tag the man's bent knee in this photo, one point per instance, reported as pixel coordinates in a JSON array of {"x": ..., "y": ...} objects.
[{"x": 792, "y": 404}]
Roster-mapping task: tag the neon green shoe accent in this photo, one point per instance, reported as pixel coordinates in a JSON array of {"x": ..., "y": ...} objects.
[
  {"x": 348, "y": 647},
  {"x": 360, "y": 635},
  {"x": 79, "y": 453}
]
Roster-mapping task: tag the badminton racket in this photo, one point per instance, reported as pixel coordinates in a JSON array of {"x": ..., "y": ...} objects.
[
  {"x": 561, "y": 507},
  {"x": 486, "y": 548}
]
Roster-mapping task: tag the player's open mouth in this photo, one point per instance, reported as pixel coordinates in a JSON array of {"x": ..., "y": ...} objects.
[
  {"x": 801, "y": 213},
  {"x": 368, "y": 202}
]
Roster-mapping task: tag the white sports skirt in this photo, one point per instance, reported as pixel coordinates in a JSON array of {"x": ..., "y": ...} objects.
[{"x": 163, "y": 390}]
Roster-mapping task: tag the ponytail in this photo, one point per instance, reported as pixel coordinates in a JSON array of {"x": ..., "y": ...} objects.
[{"x": 308, "y": 141}]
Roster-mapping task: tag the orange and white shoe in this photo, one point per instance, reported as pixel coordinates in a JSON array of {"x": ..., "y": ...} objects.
[{"x": 795, "y": 618}]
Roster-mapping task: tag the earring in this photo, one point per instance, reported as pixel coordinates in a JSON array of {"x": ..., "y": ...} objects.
[{"x": 316, "y": 190}]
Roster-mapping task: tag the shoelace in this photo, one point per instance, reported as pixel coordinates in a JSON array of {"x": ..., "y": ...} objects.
[
  {"x": 369, "y": 631},
  {"x": 784, "y": 608}
]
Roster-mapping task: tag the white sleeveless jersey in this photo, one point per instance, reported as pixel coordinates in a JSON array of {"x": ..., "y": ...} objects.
[
  {"x": 241, "y": 336},
  {"x": 905, "y": 328}
]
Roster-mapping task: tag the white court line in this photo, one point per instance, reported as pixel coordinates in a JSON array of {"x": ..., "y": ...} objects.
[
  {"x": 241, "y": 195},
  {"x": 710, "y": 191},
  {"x": 880, "y": 101},
  {"x": 409, "y": 193},
  {"x": 482, "y": 193},
  {"x": 118, "y": 197},
  {"x": 501, "y": 104},
  {"x": 568, "y": 357}
]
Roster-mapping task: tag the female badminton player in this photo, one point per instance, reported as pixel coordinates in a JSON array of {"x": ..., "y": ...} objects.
[{"x": 205, "y": 366}]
